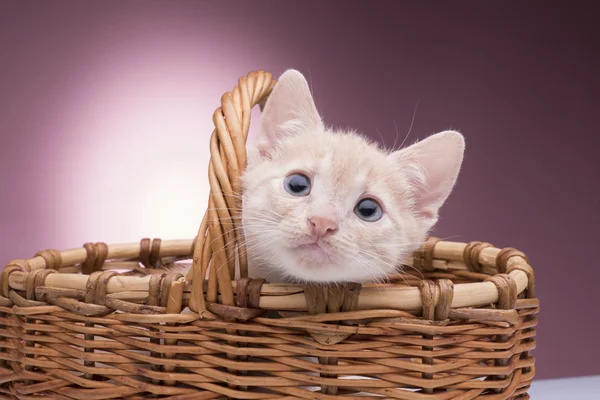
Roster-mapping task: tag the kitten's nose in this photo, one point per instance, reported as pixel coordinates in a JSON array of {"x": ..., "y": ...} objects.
[{"x": 322, "y": 226}]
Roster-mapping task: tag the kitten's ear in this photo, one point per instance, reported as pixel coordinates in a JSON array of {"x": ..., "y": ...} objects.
[
  {"x": 290, "y": 110},
  {"x": 433, "y": 165}
]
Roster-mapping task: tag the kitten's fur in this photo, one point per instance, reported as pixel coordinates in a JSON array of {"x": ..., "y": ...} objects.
[{"x": 344, "y": 167}]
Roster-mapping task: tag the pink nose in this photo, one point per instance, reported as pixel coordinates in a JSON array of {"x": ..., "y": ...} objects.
[{"x": 322, "y": 226}]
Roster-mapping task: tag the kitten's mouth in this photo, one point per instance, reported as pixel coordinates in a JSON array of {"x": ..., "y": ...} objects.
[
  {"x": 317, "y": 249},
  {"x": 311, "y": 247},
  {"x": 314, "y": 244}
]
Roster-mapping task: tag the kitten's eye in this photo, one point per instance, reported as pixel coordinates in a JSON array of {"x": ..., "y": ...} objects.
[
  {"x": 297, "y": 185},
  {"x": 368, "y": 210}
]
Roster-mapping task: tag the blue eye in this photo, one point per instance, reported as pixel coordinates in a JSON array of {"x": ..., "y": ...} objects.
[
  {"x": 368, "y": 210},
  {"x": 297, "y": 185}
]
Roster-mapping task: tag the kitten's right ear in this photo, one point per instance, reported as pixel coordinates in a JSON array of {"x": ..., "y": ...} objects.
[
  {"x": 290, "y": 110},
  {"x": 438, "y": 160}
]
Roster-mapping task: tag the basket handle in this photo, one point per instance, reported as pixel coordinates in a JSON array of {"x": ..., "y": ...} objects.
[{"x": 220, "y": 242}]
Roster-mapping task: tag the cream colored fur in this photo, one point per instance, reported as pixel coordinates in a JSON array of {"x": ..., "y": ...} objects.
[{"x": 344, "y": 167}]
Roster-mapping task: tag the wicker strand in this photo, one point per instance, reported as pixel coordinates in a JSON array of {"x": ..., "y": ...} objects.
[
  {"x": 153, "y": 300},
  {"x": 437, "y": 299},
  {"x": 530, "y": 320},
  {"x": 228, "y": 158},
  {"x": 173, "y": 289},
  {"x": 507, "y": 299},
  {"x": 321, "y": 299},
  {"x": 471, "y": 255}
]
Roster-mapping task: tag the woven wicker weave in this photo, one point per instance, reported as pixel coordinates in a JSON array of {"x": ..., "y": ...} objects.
[{"x": 459, "y": 324}]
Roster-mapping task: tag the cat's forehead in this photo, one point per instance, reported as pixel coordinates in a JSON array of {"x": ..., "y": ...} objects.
[
  {"x": 328, "y": 150},
  {"x": 346, "y": 162}
]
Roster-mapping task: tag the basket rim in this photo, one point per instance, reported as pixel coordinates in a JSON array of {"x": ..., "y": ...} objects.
[{"x": 444, "y": 256}]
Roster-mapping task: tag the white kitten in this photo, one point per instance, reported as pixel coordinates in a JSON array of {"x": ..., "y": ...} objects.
[{"x": 328, "y": 206}]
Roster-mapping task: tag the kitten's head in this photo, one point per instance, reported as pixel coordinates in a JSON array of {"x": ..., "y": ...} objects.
[{"x": 328, "y": 206}]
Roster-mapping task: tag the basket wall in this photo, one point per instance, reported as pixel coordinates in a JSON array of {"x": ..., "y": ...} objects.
[{"x": 69, "y": 342}]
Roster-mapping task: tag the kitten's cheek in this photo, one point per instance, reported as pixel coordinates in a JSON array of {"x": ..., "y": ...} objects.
[{"x": 276, "y": 187}]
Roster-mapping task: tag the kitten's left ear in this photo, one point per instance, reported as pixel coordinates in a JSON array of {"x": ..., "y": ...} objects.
[
  {"x": 290, "y": 110},
  {"x": 433, "y": 165}
]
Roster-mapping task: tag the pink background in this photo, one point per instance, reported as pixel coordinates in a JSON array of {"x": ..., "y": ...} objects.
[{"x": 105, "y": 113}]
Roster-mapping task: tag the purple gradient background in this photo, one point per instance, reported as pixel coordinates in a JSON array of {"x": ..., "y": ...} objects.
[{"x": 105, "y": 112}]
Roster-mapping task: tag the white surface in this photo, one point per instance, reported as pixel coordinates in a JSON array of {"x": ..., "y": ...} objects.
[{"x": 585, "y": 388}]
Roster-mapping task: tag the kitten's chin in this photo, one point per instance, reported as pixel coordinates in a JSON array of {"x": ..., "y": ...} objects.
[{"x": 313, "y": 263}]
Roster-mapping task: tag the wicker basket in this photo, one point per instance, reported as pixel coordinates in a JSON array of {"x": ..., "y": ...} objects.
[{"x": 459, "y": 324}]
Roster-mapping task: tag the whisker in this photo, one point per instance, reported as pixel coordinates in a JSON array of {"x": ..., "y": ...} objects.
[{"x": 411, "y": 123}]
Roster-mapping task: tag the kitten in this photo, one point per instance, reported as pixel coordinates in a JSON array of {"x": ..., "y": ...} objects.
[{"x": 324, "y": 205}]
